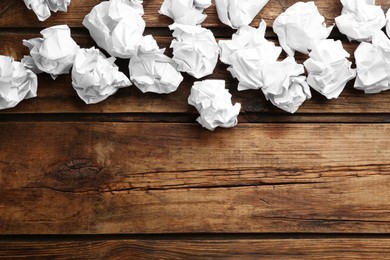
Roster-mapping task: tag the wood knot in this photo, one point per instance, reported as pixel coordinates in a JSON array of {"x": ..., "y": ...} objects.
[{"x": 76, "y": 175}]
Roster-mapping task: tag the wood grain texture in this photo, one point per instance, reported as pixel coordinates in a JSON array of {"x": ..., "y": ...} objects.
[
  {"x": 200, "y": 249},
  {"x": 59, "y": 97},
  {"x": 94, "y": 178},
  {"x": 13, "y": 13}
]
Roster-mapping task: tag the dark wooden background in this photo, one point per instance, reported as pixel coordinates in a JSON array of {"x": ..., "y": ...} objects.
[{"x": 136, "y": 177}]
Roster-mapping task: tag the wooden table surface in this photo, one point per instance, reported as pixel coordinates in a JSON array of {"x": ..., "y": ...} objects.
[{"x": 136, "y": 177}]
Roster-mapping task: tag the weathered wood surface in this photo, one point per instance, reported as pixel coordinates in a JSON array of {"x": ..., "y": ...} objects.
[
  {"x": 346, "y": 248},
  {"x": 13, "y": 13},
  {"x": 90, "y": 178}
]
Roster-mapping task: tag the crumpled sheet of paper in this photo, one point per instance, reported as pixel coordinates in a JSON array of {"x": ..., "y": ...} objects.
[
  {"x": 151, "y": 70},
  {"x": 214, "y": 104},
  {"x": 29, "y": 63},
  {"x": 299, "y": 27},
  {"x": 138, "y": 5},
  {"x": 42, "y": 8},
  {"x": 359, "y": 19},
  {"x": 116, "y": 26},
  {"x": 95, "y": 77},
  {"x": 328, "y": 68},
  {"x": 247, "y": 53},
  {"x": 188, "y": 12},
  {"x": 54, "y": 53},
  {"x": 238, "y": 13},
  {"x": 388, "y": 23},
  {"x": 16, "y": 82},
  {"x": 372, "y": 63},
  {"x": 284, "y": 86},
  {"x": 195, "y": 49}
]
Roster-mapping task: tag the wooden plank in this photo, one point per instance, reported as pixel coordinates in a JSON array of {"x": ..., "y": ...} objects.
[
  {"x": 355, "y": 248},
  {"x": 13, "y": 13},
  {"x": 94, "y": 178},
  {"x": 59, "y": 97}
]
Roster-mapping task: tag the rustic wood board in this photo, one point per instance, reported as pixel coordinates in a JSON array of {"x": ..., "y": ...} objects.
[
  {"x": 153, "y": 178},
  {"x": 347, "y": 248}
]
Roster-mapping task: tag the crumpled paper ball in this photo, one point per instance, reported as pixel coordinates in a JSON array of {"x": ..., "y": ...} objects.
[
  {"x": 328, "y": 68},
  {"x": 94, "y": 77},
  {"x": 116, "y": 26},
  {"x": 195, "y": 50},
  {"x": 54, "y": 53},
  {"x": 359, "y": 19},
  {"x": 372, "y": 64},
  {"x": 16, "y": 82},
  {"x": 42, "y": 8},
  {"x": 29, "y": 63},
  {"x": 138, "y": 5},
  {"x": 214, "y": 104},
  {"x": 247, "y": 53},
  {"x": 284, "y": 86},
  {"x": 238, "y": 13},
  {"x": 299, "y": 27},
  {"x": 151, "y": 70},
  {"x": 188, "y": 12}
]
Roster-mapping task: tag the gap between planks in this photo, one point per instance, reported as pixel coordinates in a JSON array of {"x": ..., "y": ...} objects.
[
  {"x": 191, "y": 236},
  {"x": 220, "y": 33},
  {"x": 244, "y": 118}
]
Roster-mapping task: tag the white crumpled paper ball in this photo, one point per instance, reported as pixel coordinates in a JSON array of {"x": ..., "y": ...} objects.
[
  {"x": 299, "y": 27},
  {"x": 372, "y": 64},
  {"x": 138, "y": 5},
  {"x": 95, "y": 77},
  {"x": 54, "y": 53},
  {"x": 238, "y": 13},
  {"x": 16, "y": 82},
  {"x": 151, "y": 70},
  {"x": 247, "y": 53},
  {"x": 116, "y": 26},
  {"x": 284, "y": 86},
  {"x": 214, "y": 104},
  {"x": 42, "y": 8},
  {"x": 188, "y": 12},
  {"x": 359, "y": 19},
  {"x": 195, "y": 50},
  {"x": 328, "y": 68}
]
